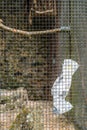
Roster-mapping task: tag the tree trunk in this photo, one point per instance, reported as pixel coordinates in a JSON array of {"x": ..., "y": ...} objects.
[{"x": 50, "y": 41}]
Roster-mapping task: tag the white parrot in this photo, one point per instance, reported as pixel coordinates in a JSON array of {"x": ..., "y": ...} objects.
[{"x": 61, "y": 87}]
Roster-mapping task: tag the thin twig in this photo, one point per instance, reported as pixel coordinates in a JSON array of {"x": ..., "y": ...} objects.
[
  {"x": 31, "y": 33},
  {"x": 42, "y": 12}
]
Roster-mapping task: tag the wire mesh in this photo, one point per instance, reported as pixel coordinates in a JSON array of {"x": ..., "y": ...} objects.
[{"x": 30, "y": 64}]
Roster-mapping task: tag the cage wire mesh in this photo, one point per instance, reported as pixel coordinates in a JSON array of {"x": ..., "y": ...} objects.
[{"x": 30, "y": 64}]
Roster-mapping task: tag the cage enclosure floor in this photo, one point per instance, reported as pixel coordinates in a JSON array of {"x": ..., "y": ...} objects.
[{"x": 10, "y": 109}]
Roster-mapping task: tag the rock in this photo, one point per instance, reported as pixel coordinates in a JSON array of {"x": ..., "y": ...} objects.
[{"x": 13, "y": 99}]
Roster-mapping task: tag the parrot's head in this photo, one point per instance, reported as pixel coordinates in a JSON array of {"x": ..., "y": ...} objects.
[{"x": 69, "y": 67}]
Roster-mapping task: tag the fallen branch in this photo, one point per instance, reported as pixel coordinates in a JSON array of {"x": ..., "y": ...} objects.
[{"x": 32, "y": 32}]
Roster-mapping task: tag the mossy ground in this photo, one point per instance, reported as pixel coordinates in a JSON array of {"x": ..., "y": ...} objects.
[{"x": 28, "y": 119}]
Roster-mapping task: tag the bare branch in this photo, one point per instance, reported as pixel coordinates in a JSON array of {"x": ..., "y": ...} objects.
[
  {"x": 42, "y": 12},
  {"x": 31, "y": 33}
]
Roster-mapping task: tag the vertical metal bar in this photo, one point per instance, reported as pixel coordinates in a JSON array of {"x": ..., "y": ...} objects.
[
  {"x": 70, "y": 46},
  {"x": 70, "y": 41}
]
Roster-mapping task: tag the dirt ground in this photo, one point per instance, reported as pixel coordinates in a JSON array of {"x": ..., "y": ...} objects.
[{"x": 50, "y": 121}]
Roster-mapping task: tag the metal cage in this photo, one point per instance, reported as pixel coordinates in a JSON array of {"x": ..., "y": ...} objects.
[{"x": 35, "y": 39}]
